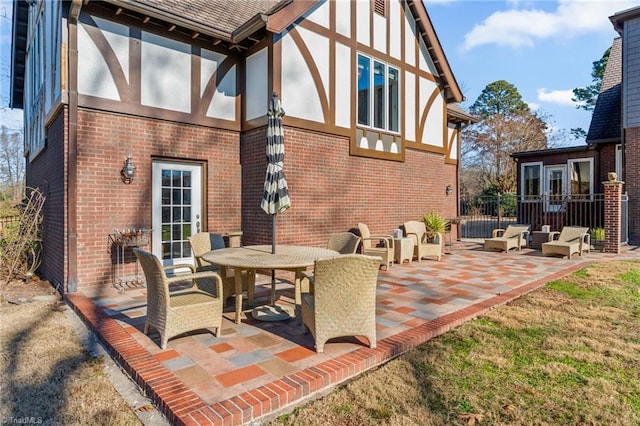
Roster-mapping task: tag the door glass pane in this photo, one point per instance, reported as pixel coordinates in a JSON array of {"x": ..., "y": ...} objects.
[
  {"x": 176, "y": 213},
  {"x": 555, "y": 187}
]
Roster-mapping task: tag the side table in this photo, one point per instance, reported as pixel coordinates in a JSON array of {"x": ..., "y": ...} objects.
[
  {"x": 403, "y": 249},
  {"x": 539, "y": 237}
]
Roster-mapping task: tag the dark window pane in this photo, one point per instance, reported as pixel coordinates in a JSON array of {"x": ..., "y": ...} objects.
[
  {"x": 186, "y": 249},
  {"x": 176, "y": 251},
  {"x": 186, "y": 179},
  {"x": 186, "y": 196},
  {"x": 364, "y": 88},
  {"x": 166, "y": 177},
  {"x": 166, "y": 250},
  {"x": 378, "y": 95},
  {"x": 166, "y": 214},
  {"x": 176, "y": 234},
  {"x": 177, "y": 214},
  {"x": 186, "y": 214},
  {"x": 166, "y": 196},
  {"x": 177, "y": 196},
  {"x": 394, "y": 100},
  {"x": 176, "y": 178}
]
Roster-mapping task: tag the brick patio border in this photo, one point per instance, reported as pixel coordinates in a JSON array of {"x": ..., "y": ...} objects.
[{"x": 182, "y": 406}]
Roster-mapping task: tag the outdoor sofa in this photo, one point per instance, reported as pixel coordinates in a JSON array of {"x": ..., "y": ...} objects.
[
  {"x": 572, "y": 239},
  {"x": 514, "y": 236}
]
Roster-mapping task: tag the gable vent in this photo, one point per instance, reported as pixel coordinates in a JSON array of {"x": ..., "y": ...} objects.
[{"x": 380, "y": 7}]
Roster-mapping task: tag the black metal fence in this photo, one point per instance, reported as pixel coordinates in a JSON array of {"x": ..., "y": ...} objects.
[{"x": 480, "y": 215}]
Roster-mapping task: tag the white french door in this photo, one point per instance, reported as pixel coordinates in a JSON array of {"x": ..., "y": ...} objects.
[
  {"x": 176, "y": 200},
  {"x": 554, "y": 187}
]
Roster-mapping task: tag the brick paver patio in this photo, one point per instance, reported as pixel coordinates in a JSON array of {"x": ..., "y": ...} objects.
[{"x": 258, "y": 369}]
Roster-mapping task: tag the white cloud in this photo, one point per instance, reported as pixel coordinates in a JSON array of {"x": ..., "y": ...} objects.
[
  {"x": 523, "y": 27},
  {"x": 533, "y": 106},
  {"x": 562, "y": 97}
]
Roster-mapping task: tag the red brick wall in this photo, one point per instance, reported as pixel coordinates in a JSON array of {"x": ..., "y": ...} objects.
[
  {"x": 105, "y": 203},
  {"x": 607, "y": 164},
  {"x": 332, "y": 191},
  {"x": 632, "y": 180},
  {"x": 46, "y": 172}
]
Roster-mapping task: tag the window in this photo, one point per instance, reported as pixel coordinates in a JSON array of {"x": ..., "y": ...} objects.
[
  {"x": 581, "y": 175},
  {"x": 378, "y": 95},
  {"x": 34, "y": 83},
  {"x": 531, "y": 181}
]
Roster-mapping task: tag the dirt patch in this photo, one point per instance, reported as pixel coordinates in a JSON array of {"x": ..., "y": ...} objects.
[{"x": 19, "y": 291}]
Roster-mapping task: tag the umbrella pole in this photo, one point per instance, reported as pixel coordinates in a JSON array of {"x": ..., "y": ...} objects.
[{"x": 273, "y": 251}]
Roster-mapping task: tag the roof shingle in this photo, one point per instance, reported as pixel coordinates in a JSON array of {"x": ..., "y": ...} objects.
[
  {"x": 220, "y": 15},
  {"x": 607, "y": 115}
]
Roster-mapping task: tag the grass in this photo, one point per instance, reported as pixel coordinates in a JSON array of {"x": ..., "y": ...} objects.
[
  {"x": 567, "y": 354},
  {"x": 47, "y": 375}
]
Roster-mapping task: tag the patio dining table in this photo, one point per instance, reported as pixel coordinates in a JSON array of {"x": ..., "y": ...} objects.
[{"x": 259, "y": 257}]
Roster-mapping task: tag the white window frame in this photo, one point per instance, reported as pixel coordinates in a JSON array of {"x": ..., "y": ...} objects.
[
  {"x": 387, "y": 98},
  {"x": 540, "y": 166},
  {"x": 570, "y": 164}
]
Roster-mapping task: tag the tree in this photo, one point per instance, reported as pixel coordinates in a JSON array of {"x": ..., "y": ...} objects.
[
  {"x": 499, "y": 97},
  {"x": 586, "y": 97},
  {"x": 506, "y": 126},
  {"x": 12, "y": 164}
]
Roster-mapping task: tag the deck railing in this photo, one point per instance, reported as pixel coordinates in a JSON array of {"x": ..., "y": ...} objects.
[{"x": 484, "y": 213}]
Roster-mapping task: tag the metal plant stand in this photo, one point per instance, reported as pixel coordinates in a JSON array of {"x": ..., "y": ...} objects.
[{"x": 119, "y": 241}]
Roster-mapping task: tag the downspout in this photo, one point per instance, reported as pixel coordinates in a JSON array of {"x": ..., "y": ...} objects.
[{"x": 72, "y": 154}]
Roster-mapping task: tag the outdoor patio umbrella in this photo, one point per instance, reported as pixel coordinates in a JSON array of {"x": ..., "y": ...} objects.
[{"x": 275, "y": 197}]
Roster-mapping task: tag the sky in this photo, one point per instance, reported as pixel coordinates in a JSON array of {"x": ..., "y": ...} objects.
[{"x": 545, "y": 48}]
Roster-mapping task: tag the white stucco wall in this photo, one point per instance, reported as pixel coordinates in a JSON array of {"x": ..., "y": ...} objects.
[
  {"x": 165, "y": 73},
  {"x": 257, "y": 98}
]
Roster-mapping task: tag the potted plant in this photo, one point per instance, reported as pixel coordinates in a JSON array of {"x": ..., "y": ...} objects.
[
  {"x": 434, "y": 222},
  {"x": 597, "y": 238}
]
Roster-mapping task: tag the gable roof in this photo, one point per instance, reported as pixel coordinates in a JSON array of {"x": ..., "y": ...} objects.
[
  {"x": 607, "y": 115},
  {"x": 228, "y": 21}
]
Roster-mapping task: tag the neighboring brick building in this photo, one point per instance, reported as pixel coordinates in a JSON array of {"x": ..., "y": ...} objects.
[
  {"x": 371, "y": 129},
  {"x": 613, "y": 140}
]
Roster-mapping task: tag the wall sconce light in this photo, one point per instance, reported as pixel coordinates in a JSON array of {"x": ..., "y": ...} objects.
[
  {"x": 449, "y": 190},
  {"x": 128, "y": 171}
]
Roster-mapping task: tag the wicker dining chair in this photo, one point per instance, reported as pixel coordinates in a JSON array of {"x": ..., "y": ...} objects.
[
  {"x": 204, "y": 242},
  {"x": 422, "y": 247},
  {"x": 344, "y": 301},
  {"x": 343, "y": 243},
  {"x": 176, "y": 312},
  {"x": 377, "y": 245}
]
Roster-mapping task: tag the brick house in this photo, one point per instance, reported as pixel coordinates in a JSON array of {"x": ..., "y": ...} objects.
[
  {"x": 182, "y": 88},
  {"x": 613, "y": 139}
]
